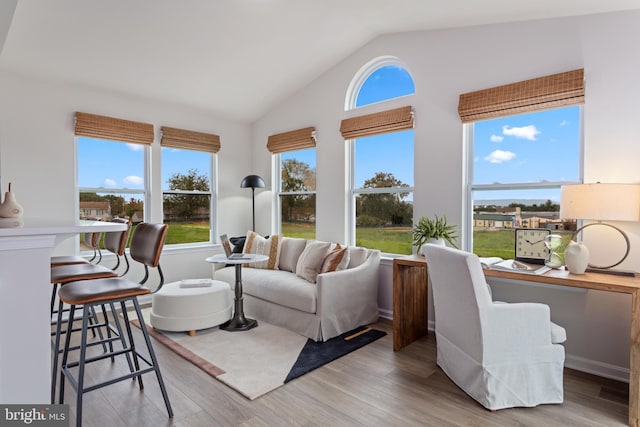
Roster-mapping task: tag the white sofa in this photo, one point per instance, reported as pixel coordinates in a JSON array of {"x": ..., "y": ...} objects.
[{"x": 337, "y": 302}]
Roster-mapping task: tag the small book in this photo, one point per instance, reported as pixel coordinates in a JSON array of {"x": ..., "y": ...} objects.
[
  {"x": 195, "y": 283},
  {"x": 496, "y": 263}
]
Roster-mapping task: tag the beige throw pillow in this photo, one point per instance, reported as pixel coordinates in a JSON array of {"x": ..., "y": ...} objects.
[
  {"x": 311, "y": 259},
  {"x": 256, "y": 244},
  {"x": 336, "y": 259}
]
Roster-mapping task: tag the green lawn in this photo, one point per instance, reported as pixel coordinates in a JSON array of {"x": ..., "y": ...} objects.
[{"x": 394, "y": 240}]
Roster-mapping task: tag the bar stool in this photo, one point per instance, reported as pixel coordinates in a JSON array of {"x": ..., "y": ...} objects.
[
  {"x": 91, "y": 240},
  {"x": 146, "y": 246}
]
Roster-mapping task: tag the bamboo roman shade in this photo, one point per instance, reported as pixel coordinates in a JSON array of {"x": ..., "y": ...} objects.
[
  {"x": 542, "y": 93},
  {"x": 293, "y": 140},
  {"x": 103, "y": 127},
  {"x": 377, "y": 123},
  {"x": 189, "y": 140}
]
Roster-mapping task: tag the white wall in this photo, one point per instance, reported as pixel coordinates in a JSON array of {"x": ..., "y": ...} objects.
[
  {"x": 37, "y": 152},
  {"x": 447, "y": 63}
]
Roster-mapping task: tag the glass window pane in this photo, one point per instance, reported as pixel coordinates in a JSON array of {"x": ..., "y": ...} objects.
[
  {"x": 298, "y": 170},
  {"x": 384, "y": 222},
  {"x": 185, "y": 169},
  {"x": 536, "y": 147},
  {"x": 390, "y": 154},
  {"x": 298, "y": 215},
  {"x": 188, "y": 217},
  {"x": 110, "y": 164},
  {"x": 497, "y": 213},
  {"x": 385, "y": 83}
]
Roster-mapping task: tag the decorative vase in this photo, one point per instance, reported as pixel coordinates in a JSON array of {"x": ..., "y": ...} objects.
[
  {"x": 576, "y": 257},
  {"x": 433, "y": 241},
  {"x": 9, "y": 208}
]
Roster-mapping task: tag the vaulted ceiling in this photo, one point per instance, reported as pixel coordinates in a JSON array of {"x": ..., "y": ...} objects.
[{"x": 235, "y": 58}]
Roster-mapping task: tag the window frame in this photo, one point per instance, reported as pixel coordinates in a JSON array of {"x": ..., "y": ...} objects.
[
  {"x": 277, "y": 180},
  {"x": 470, "y": 187},
  {"x": 212, "y": 193}
]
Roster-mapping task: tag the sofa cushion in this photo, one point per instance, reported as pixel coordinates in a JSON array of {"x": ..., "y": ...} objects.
[
  {"x": 336, "y": 259},
  {"x": 256, "y": 244},
  {"x": 310, "y": 260},
  {"x": 290, "y": 250},
  {"x": 280, "y": 287}
]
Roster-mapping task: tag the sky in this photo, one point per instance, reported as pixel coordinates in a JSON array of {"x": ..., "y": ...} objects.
[{"x": 525, "y": 148}]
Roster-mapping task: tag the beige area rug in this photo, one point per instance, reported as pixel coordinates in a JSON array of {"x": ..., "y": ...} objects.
[{"x": 259, "y": 360}]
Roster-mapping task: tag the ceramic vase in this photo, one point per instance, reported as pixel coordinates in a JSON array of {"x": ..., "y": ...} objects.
[
  {"x": 9, "y": 208},
  {"x": 576, "y": 257},
  {"x": 440, "y": 242}
]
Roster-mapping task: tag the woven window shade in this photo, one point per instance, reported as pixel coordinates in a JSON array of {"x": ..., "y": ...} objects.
[
  {"x": 103, "y": 127},
  {"x": 377, "y": 123},
  {"x": 189, "y": 140},
  {"x": 291, "y": 141},
  {"x": 542, "y": 93}
]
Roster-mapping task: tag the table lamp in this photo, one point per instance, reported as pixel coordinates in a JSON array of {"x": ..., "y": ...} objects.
[
  {"x": 253, "y": 182},
  {"x": 602, "y": 202}
]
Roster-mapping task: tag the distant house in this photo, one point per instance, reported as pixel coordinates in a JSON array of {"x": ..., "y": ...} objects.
[
  {"x": 95, "y": 210},
  {"x": 137, "y": 217},
  {"x": 488, "y": 221}
]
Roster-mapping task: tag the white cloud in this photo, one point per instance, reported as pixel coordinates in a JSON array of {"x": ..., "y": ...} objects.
[
  {"x": 526, "y": 132},
  {"x": 108, "y": 182},
  {"x": 564, "y": 123},
  {"x": 496, "y": 138},
  {"x": 134, "y": 180},
  {"x": 135, "y": 147},
  {"x": 500, "y": 156}
]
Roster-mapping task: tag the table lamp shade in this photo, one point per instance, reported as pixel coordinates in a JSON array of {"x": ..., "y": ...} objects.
[
  {"x": 611, "y": 202},
  {"x": 252, "y": 181}
]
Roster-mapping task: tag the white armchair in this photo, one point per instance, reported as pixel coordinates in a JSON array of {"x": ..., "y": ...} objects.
[{"x": 502, "y": 355}]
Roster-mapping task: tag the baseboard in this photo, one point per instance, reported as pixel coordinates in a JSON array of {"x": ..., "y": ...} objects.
[
  {"x": 594, "y": 367},
  {"x": 385, "y": 314}
]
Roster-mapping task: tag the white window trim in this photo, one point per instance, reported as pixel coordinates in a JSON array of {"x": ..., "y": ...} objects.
[
  {"x": 276, "y": 178},
  {"x": 469, "y": 187}
]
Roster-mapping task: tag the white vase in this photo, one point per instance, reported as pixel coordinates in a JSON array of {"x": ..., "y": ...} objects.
[
  {"x": 576, "y": 257},
  {"x": 440, "y": 242},
  {"x": 9, "y": 207}
]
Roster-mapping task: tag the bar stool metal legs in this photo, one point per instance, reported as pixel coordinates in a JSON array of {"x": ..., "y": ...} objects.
[{"x": 78, "y": 381}]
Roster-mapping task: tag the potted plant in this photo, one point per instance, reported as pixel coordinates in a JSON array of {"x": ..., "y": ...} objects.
[{"x": 435, "y": 230}]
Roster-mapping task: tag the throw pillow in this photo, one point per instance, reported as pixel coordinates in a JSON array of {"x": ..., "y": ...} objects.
[
  {"x": 256, "y": 244},
  {"x": 290, "y": 250},
  {"x": 336, "y": 259},
  {"x": 311, "y": 259}
]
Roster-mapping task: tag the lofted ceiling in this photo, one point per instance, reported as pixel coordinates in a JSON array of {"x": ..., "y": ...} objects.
[{"x": 235, "y": 58}]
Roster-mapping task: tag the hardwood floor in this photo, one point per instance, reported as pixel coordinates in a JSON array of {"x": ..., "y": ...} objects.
[{"x": 372, "y": 386}]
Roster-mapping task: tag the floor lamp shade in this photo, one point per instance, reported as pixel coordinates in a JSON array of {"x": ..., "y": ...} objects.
[{"x": 253, "y": 182}]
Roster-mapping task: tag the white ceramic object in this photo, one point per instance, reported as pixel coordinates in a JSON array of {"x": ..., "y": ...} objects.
[
  {"x": 440, "y": 242},
  {"x": 9, "y": 207},
  {"x": 576, "y": 257}
]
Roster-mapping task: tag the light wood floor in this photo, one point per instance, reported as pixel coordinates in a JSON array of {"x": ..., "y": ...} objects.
[{"x": 373, "y": 386}]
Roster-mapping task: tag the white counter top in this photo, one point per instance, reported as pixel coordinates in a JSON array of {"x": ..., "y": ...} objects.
[{"x": 42, "y": 227}]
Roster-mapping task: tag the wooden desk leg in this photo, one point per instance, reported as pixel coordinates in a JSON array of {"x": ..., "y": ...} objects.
[{"x": 634, "y": 362}]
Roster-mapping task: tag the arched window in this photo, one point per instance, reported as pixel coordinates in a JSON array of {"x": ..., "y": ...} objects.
[{"x": 381, "y": 158}]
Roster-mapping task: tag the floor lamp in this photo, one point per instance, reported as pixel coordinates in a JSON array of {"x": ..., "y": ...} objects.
[{"x": 253, "y": 182}]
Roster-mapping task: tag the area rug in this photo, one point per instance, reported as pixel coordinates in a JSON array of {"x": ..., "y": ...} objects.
[{"x": 259, "y": 360}]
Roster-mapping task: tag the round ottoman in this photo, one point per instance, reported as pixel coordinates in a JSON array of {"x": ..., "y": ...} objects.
[{"x": 191, "y": 307}]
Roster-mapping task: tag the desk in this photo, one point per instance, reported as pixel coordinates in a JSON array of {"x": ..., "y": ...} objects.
[{"x": 25, "y": 320}]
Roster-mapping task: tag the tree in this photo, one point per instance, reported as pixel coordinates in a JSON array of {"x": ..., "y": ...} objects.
[
  {"x": 385, "y": 208},
  {"x": 133, "y": 206},
  {"x": 185, "y": 205},
  {"x": 297, "y": 176}
]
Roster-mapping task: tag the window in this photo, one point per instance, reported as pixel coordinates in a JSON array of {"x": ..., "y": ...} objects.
[
  {"x": 380, "y": 147},
  {"x": 111, "y": 179},
  {"x": 188, "y": 160},
  {"x": 294, "y": 156},
  {"x": 517, "y": 165}
]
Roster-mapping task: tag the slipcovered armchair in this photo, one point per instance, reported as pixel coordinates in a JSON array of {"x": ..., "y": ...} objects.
[{"x": 502, "y": 355}]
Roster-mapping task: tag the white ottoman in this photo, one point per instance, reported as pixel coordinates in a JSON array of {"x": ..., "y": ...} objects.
[{"x": 176, "y": 308}]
